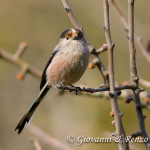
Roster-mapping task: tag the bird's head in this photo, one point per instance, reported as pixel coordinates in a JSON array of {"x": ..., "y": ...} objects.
[{"x": 71, "y": 35}]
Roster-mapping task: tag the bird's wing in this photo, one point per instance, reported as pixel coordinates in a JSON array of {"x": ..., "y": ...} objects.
[{"x": 43, "y": 80}]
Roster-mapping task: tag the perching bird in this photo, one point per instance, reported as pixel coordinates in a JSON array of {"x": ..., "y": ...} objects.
[{"x": 66, "y": 65}]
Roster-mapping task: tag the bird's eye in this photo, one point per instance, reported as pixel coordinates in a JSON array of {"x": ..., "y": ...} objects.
[{"x": 67, "y": 38}]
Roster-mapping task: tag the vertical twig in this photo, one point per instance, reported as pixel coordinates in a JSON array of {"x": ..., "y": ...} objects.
[
  {"x": 134, "y": 76},
  {"x": 113, "y": 95}
]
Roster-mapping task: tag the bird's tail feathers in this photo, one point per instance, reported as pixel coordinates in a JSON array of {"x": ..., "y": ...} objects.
[{"x": 29, "y": 114}]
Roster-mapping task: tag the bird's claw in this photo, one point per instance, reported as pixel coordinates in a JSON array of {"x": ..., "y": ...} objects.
[
  {"x": 64, "y": 87},
  {"x": 77, "y": 89}
]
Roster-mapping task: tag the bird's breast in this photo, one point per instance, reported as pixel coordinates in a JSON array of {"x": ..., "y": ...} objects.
[{"x": 68, "y": 66}]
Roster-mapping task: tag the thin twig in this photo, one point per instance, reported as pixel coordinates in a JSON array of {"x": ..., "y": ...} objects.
[
  {"x": 125, "y": 95},
  {"x": 113, "y": 95},
  {"x": 92, "y": 90},
  {"x": 102, "y": 49},
  {"x": 133, "y": 74},
  {"x": 138, "y": 39},
  {"x": 22, "y": 64},
  {"x": 21, "y": 49},
  {"x": 36, "y": 144},
  {"x": 47, "y": 138},
  {"x": 144, "y": 83}
]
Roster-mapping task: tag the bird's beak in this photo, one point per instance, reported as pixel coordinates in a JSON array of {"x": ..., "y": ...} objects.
[{"x": 76, "y": 38}]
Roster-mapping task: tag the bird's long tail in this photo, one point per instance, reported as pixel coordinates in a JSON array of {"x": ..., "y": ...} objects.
[{"x": 28, "y": 115}]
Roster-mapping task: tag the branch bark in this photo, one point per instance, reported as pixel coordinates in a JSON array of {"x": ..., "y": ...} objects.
[
  {"x": 113, "y": 95},
  {"x": 133, "y": 74}
]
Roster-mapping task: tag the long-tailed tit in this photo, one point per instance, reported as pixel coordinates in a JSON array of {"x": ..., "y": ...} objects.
[{"x": 66, "y": 65}]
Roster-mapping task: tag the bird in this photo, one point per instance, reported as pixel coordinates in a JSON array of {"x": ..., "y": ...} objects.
[{"x": 66, "y": 66}]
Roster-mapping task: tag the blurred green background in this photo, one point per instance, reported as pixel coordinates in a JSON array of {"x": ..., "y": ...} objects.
[{"x": 40, "y": 23}]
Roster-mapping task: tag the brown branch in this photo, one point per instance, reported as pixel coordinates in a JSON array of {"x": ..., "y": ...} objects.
[
  {"x": 21, "y": 49},
  {"x": 25, "y": 67},
  {"x": 133, "y": 70},
  {"x": 47, "y": 138},
  {"x": 92, "y": 90},
  {"x": 102, "y": 49},
  {"x": 138, "y": 39},
  {"x": 113, "y": 96},
  {"x": 133, "y": 73},
  {"x": 144, "y": 83},
  {"x": 123, "y": 92},
  {"x": 36, "y": 144},
  {"x": 102, "y": 69},
  {"x": 76, "y": 24}
]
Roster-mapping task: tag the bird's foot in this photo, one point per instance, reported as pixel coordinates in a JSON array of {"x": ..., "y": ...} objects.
[
  {"x": 64, "y": 87},
  {"x": 77, "y": 89},
  {"x": 104, "y": 85}
]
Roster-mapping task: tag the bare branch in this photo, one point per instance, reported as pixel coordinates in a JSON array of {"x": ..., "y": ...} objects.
[
  {"x": 144, "y": 83},
  {"x": 21, "y": 49},
  {"x": 113, "y": 96},
  {"x": 47, "y": 138},
  {"x": 138, "y": 39},
  {"x": 133, "y": 70},
  {"x": 133, "y": 74},
  {"x": 91, "y": 90},
  {"x": 36, "y": 144},
  {"x": 25, "y": 67},
  {"x": 102, "y": 49}
]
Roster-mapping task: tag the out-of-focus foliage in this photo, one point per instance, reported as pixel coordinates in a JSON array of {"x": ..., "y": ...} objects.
[{"x": 40, "y": 23}]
